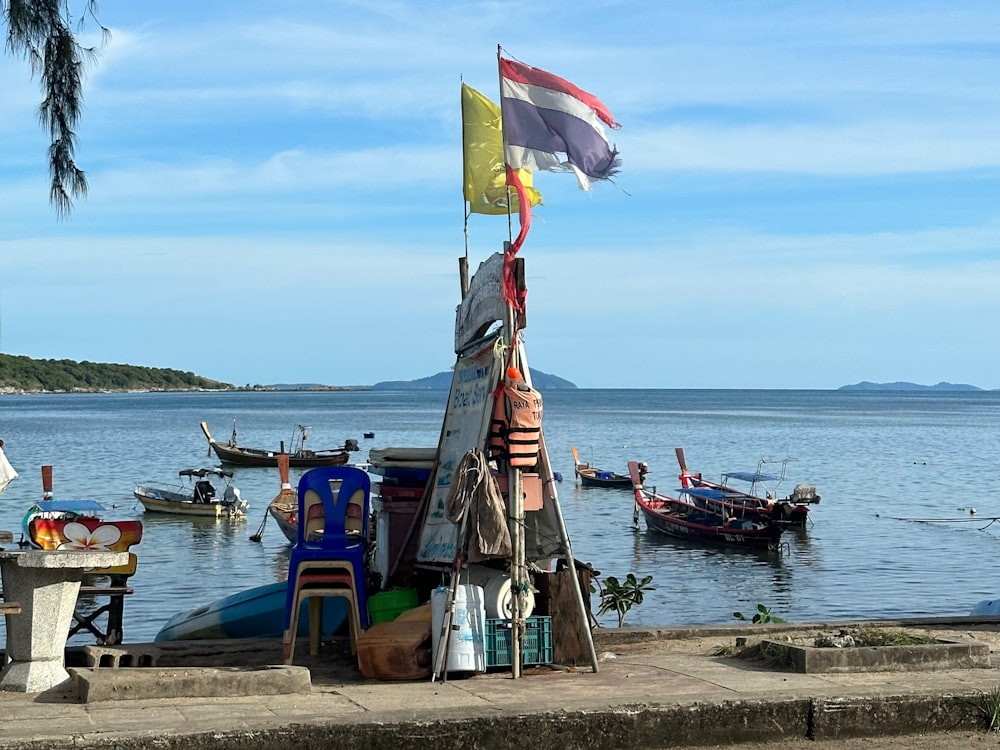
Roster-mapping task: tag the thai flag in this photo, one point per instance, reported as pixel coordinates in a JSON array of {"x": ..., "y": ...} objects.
[{"x": 545, "y": 116}]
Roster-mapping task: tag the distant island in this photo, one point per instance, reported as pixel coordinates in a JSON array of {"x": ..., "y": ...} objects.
[
  {"x": 26, "y": 375},
  {"x": 904, "y": 386},
  {"x": 442, "y": 382}
]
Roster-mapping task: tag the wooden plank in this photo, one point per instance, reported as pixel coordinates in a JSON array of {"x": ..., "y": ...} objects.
[
  {"x": 557, "y": 596},
  {"x": 10, "y": 608},
  {"x": 106, "y": 590}
]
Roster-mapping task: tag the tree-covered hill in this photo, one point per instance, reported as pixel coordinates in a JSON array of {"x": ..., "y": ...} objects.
[{"x": 64, "y": 375}]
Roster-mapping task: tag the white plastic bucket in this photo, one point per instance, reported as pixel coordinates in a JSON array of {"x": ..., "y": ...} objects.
[
  {"x": 497, "y": 592},
  {"x": 466, "y": 646}
]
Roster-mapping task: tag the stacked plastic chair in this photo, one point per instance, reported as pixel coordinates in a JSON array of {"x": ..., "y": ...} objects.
[{"x": 328, "y": 558}]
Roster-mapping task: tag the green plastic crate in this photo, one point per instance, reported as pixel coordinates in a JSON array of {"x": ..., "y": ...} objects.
[{"x": 536, "y": 646}]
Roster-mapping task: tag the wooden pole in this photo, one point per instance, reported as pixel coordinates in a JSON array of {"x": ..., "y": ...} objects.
[
  {"x": 46, "y": 482},
  {"x": 463, "y": 274},
  {"x": 515, "y": 510}
]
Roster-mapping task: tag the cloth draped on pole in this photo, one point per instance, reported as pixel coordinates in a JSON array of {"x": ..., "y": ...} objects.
[
  {"x": 474, "y": 491},
  {"x": 7, "y": 473},
  {"x": 485, "y": 175}
]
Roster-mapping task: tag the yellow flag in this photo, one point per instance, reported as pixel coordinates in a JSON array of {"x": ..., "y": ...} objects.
[{"x": 482, "y": 150}]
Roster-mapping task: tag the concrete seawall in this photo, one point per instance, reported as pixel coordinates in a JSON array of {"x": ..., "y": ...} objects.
[{"x": 656, "y": 688}]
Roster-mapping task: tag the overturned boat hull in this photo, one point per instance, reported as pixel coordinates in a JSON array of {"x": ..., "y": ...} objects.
[{"x": 255, "y": 613}]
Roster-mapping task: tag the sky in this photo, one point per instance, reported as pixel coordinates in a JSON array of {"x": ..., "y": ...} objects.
[{"x": 809, "y": 194}]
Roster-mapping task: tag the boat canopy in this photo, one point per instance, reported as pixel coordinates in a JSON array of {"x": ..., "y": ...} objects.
[
  {"x": 750, "y": 476},
  {"x": 68, "y": 506},
  {"x": 705, "y": 493},
  {"x": 202, "y": 473}
]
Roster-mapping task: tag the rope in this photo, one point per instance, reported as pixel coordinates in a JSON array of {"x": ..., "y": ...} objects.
[{"x": 970, "y": 519}]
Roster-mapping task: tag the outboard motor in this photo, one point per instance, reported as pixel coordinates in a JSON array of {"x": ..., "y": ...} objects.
[
  {"x": 232, "y": 500},
  {"x": 351, "y": 445}
]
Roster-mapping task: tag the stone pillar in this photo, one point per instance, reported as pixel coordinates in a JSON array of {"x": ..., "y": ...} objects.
[{"x": 46, "y": 584}]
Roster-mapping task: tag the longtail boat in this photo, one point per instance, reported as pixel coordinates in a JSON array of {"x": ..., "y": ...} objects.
[
  {"x": 703, "y": 515},
  {"x": 299, "y": 456}
]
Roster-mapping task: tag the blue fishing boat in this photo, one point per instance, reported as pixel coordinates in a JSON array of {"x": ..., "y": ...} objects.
[{"x": 255, "y": 613}]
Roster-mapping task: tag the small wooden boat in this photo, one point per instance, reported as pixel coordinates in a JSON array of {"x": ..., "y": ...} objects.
[
  {"x": 591, "y": 476},
  {"x": 702, "y": 515},
  {"x": 199, "y": 499},
  {"x": 299, "y": 457},
  {"x": 75, "y": 524},
  {"x": 287, "y": 519},
  {"x": 760, "y": 493},
  {"x": 284, "y": 508},
  {"x": 255, "y": 613}
]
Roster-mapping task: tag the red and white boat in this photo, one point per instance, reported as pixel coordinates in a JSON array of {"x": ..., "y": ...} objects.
[
  {"x": 761, "y": 492},
  {"x": 703, "y": 515}
]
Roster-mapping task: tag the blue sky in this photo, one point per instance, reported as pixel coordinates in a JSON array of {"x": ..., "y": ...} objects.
[{"x": 808, "y": 196}]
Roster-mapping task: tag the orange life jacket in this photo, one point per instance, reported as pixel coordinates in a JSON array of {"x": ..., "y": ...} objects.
[{"x": 516, "y": 427}]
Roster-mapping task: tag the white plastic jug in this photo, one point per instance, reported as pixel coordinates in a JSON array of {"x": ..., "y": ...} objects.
[{"x": 466, "y": 646}]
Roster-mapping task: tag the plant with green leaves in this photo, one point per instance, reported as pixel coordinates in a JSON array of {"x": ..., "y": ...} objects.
[
  {"x": 762, "y": 616},
  {"x": 621, "y": 596},
  {"x": 988, "y": 704},
  {"x": 41, "y": 32}
]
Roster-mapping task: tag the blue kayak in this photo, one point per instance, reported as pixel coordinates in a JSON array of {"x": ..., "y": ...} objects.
[{"x": 255, "y": 613}]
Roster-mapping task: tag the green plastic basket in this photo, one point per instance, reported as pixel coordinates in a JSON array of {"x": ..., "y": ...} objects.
[
  {"x": 386, "y": 606},
  {"x": 536, "y": 646}
]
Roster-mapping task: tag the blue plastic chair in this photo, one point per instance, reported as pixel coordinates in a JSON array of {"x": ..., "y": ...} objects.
[{"x": 332, "y": 538}]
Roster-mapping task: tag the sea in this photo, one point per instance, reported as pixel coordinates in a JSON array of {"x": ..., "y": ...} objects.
[{"x": 907, "y": 525}]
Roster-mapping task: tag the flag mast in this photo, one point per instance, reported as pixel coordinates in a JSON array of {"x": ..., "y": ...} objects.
[
  {"x": 463, "y": 261},
  {"x": 518, "y": 569},
  {"x": 592, "y": 111}
]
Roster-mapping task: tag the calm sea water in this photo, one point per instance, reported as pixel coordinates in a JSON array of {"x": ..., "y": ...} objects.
[{"x": 879, "y": 460}]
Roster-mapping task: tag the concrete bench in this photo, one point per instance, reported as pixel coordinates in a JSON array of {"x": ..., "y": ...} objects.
[{"x": 84, "y": 620}]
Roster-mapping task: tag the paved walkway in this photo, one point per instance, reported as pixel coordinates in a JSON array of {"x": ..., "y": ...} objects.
[{"x": 655, "y": 688}]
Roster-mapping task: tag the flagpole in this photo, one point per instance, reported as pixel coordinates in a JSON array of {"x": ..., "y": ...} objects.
[
  {"x": 515, "y": 497},
  {"x": 463, "y": 261},
  {"x": 503, "y": 146}
]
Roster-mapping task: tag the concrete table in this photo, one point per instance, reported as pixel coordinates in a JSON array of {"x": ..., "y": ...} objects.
[{"x": 46, "y": 584}]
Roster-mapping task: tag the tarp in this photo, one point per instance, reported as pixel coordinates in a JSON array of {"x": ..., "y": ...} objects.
[
  {"x": 74, "y": 506},
  {"x": 705, "y": 493},
  {"x": 749, "y": 476}
]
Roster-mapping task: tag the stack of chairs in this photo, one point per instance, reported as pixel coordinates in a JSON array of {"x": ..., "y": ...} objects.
[{"x": 328, "y": 558}]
